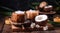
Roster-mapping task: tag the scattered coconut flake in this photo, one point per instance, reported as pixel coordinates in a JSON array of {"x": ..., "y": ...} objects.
[
  {"x": 37, "y": 26},
  {"x": 32, "y": 25},
  {"x": 45, "y": 28}
]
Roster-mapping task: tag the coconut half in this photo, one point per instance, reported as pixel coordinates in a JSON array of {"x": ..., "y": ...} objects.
[
  {"x": 41, "y": 18},
  {"x": 49, "y": 5}
]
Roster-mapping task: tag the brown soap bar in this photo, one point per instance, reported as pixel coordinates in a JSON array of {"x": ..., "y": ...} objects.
[
  {"x": 31, "y": 14},
  {"x": 19, "y": 18}
]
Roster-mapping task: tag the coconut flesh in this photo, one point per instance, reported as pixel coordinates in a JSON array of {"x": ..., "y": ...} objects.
[{"x": 41, "y": 18}]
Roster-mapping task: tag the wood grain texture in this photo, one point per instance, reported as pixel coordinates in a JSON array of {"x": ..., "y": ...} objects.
[
  {"x": 1, "y": 24},
  {"x": 7, "y": 29}
]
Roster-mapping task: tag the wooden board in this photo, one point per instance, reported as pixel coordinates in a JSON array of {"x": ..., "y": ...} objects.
[
  {"x": 7, "y": 29},
  {"x": 4, "y": 28},
  {"x": 1, "y": 24}
]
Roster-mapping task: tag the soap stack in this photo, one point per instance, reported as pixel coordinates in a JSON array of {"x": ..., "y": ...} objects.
[{"x": 28, "y": 21}]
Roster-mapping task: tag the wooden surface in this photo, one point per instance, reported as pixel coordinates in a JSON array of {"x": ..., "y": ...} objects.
[
  {"x": 4, "y": 28},
  {"x": 1, "y": 24},
  {"x": 7, "y": 29}
]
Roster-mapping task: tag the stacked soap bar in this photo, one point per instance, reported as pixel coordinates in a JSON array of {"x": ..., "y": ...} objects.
[{"x": 28, "y": 21}]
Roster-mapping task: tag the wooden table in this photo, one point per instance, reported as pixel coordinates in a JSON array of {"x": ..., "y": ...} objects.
[{"x": 7, "y": 29}]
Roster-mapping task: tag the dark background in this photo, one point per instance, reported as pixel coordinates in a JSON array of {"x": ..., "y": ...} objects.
[
  {"x": 24, "y": 4},
  {"x": 8, "y": 6}
]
